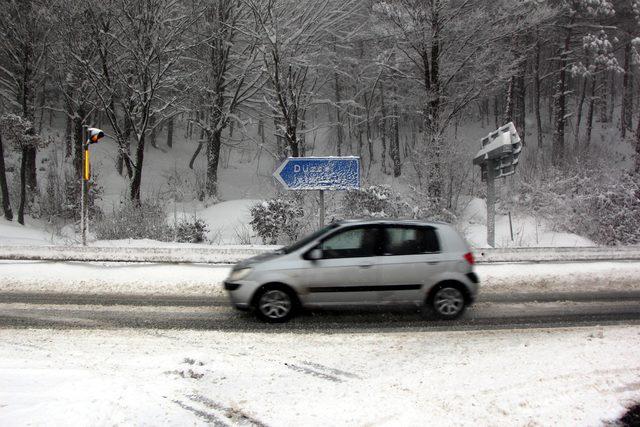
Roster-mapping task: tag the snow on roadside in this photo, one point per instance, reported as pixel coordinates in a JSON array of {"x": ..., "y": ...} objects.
[
  {"x": 590, "y": 276},
  {"x": 528, "y": 231},
  {"x": 204, "y": 279},
  {"x": 112, "y": 278},
  {"x": 228, "y": 221},
  {"x": 12, "y": 233},
  {"x": 572, "y": 376}
]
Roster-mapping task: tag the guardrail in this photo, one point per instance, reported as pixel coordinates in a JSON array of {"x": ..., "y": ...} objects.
[
  {"x": 231, "y": 255},
  {"x": 572, "y": 254},
  {"x": 205, "y": 254}
]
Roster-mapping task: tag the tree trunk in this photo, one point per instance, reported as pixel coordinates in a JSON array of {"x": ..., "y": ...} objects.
[
  {"x": 395, "y": 142},
  {"x": 281, "y": 145},
  {"x": 32, "y": 181},
  {"x": 137, "y": 173},
  {"x": 124, "y": 160},
  {"x": 77, "y": 142},
  {"x": 292, "y": 141},
  {"x": 68, "y": 143},
  {"x": 302, "y": 140},
  {"x": 604, "y": 98},
  {"x": 432, "y": 124},
  {"x": 560, "y": 101},
  {"x": 592, "y": 100},
  {"x": 625, "y": 114},
  {"x": 519, "y": 96},
  {"x": 508, "y": 111},
  {"x": 170, "y": 133},
  {"x": 536, "y": 82},
  {"x": 583, "y": 94},
  {"x": 383, "y": 129},
  {"x": 43, "y": 100},
  {"x": 368, "y": 132},
  {"x": 124, "y": 150},
  {"x": 214, "y": 143},
  {"x": 338, "y": 118},
  {"x": 23, "y": 186},
  {"x": 612, "y": 92},
  {"x": 4, "y": 188},
  {"x": 637, "y": 166}
]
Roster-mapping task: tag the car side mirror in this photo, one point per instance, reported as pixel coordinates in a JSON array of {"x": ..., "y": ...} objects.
[{"x": 315, "y": 254}]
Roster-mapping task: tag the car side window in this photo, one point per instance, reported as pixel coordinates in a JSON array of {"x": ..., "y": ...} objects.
[
  {"x": 351, "y": 243},
  {"x": 410, "y": 241}
]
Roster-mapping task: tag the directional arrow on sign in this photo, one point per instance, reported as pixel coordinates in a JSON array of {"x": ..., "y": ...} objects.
[{"x": 319, "y": 173}]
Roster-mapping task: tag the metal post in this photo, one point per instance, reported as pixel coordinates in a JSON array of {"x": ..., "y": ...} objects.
[
  {"x": 491, "y": 204},
  {"x": 321, "y": 208},
  {"x": 83, "y": 196},
  {"x": 510, "y": 226}
]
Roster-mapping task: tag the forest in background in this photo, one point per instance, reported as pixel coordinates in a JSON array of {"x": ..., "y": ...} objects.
[{"x": 392, "y": 81}]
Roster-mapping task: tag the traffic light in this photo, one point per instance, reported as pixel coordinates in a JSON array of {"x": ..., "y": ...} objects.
[
  {"x": 95, "y": 135},
  {"x": 502, "y": 147}
]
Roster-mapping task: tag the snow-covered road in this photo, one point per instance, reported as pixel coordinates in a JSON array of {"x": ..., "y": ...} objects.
[{"x": 576, "y": 376}]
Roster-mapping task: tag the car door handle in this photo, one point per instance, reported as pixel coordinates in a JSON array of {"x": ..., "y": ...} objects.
[
  {"x": 366, "y": 265},
  {"x": 433, "y": 262}
]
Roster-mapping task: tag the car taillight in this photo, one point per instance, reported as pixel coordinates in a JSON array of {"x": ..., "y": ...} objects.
[{"x": 469, "y": 257}]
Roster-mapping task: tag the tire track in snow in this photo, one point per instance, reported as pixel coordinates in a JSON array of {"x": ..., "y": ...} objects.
[{"x": 233, "y": 414}]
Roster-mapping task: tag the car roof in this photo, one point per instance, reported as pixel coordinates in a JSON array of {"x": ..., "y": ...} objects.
[{"x": 389, "y": 221}]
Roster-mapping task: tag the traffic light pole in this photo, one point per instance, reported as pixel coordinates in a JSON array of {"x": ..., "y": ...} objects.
[
  {"x": 491, "y": 203},
  {"x": 84, "y": 193}
]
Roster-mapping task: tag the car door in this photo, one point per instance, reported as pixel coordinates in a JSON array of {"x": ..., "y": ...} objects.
[
  {"x": 347, "y": 273},
  {"x": 410, "y": 259}
]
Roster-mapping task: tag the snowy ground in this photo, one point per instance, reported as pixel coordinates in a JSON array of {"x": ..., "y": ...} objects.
[
  {"x": 528, "y": 231},
  {"x": 577, "y": 376},
  {"x": 228, "y": 223},
  {"x": 203, "y": 279}
]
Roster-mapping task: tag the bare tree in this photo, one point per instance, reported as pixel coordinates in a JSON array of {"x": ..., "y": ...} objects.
[
  {"x": 444, "y": 43},
  {"x": 572, "y": 14},
  {"x": 23, "y": 45},
  {"x": 21, "y": 133},
  {"x": 290, "y": 37},
  {"x": 228, "y": 77},
  {"x": 4, "y": 189},
  {"x": 145, "y": 41}
]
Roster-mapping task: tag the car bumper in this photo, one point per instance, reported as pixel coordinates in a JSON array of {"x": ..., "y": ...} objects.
[
  {"x": 472, "y": 285},
  {"x": 240, "y": 293}
]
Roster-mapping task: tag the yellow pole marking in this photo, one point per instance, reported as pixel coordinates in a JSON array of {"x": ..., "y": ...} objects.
[{"x": 86, "y": 165}]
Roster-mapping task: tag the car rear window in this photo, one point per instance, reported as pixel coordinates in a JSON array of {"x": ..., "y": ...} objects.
[{"x": 410, "y": 240}]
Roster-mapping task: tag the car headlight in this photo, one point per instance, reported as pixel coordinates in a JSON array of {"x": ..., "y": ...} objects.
[{"x": 239, "y": 274}]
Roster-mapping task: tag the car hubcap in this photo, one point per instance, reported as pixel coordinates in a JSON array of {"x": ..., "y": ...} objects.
[
  {"x": 275, "y": 304},
  {"x": 449, "y": 301}
]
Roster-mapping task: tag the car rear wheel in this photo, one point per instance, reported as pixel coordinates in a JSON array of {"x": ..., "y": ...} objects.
[
  {"x": 275, "y": 304},
  {"x": 447, "y": 302}
]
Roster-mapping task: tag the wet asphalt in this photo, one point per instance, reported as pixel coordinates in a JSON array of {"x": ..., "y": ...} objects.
[{"x": 491, "y": 311}]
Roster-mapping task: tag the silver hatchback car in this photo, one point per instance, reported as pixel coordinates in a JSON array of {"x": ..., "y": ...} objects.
[{"x": 359, "y": 263}]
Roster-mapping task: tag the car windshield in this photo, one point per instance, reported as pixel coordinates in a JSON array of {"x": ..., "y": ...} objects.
[{"x": 305, "y": 240}]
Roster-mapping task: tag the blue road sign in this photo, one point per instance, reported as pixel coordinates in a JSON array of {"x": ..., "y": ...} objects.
[{"x": 319, "y": 173}]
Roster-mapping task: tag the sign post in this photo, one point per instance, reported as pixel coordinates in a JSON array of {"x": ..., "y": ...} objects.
[
  {"x": 89, "y": 136},
  {"x": 319, "y": 173},
  {"x": 498, "y": 158}
]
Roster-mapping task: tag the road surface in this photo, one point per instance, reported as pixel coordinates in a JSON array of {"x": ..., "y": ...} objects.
[{"x": 492, "y": 311}]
